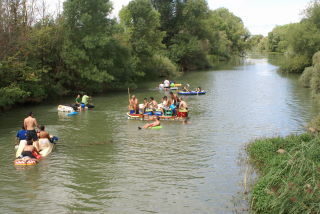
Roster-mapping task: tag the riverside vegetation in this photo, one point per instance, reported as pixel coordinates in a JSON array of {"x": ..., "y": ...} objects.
[
  {"x": 289, "y": 168},
  {"x": 45, "y": 55},
  {"x": 289, "y": 171}
]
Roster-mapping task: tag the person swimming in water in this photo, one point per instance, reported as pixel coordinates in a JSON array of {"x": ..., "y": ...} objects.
[{"x": 154, "y": 124}]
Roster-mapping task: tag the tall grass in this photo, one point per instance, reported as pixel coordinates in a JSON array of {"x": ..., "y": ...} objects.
[{"x": 289, "y": 182}]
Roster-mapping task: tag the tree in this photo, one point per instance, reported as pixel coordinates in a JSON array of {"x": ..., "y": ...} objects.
[
  {"x": 87, "y": 43},
  {"x": 141, "y": 23}
]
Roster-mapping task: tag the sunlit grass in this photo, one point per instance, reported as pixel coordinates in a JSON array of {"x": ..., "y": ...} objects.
[{"x": 289, "y": 179}]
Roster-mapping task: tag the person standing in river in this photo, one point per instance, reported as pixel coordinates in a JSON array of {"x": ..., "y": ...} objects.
[{"x": 30, "y": 124}]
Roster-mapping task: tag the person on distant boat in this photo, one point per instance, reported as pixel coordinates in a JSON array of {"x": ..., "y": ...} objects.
[
  {"x": 161, "y": 86},
  {"x": 21, "y": 135},
  {"x": 153, "y": 104},
  {"x": 166, "y": 84},
  {"x": 185, "y": 89},
  {"x": 134, "y": 104},
  {"x": 155, "y": 123},
  {"x": 28, "y": 149},
  {"x": 198, "y": 89},
  {"x": 78, "y": 100},
  {"x": 30, "y": 123},
  {"x": 85, "y": 99}
]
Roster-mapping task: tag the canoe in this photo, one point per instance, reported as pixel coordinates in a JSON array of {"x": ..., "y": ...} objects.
[
  {"x": 192, "y": 93},
  {"x": 142, "y": 117}
]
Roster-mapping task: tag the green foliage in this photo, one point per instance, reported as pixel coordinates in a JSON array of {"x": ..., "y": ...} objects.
[
  {"x": 294, "y": 63},
  {"x": 306, "y": 76},
  {"x": 228, "y": 36},
  {"x": 278, "y": 38},
  {"x": 311, "y": 75},
  {"x": 289, "y": 181},
  {"x": 87, "y": 37},
  {"x": 83, "y": 49},
  {"x": 300, "y": 41},
  {"x": 141, "y": 22}
]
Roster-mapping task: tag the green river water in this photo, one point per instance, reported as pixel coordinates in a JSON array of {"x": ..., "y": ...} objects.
[{"x": 104, "y": 164}]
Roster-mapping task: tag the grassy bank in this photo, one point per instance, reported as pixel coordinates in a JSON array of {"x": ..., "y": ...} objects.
[{"x": 289, "y": 174}]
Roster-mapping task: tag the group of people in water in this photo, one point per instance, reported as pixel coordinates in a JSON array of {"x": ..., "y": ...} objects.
[
  {"x": 81, "y": 103},
  {"x": 171, "y": 103},
  {"x": 169, "y": 106},
  {"x": 28, "y": 132}
]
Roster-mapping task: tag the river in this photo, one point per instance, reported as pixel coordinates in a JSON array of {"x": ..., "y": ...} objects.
[{"x": 104, "y": 164}]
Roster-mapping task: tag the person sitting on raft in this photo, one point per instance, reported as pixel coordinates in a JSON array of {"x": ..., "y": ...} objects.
[
  {"x": 145, "y": 105},
  {"x": 78, "y": 100},
  {"x": 153, "y": 104},
  {"x": 198, "y": 89},
  {"x": 154, "y": 124},
  {"x": 164, "y": 104},
  {"x": 185, "y": 89},
  {"x": 175, "y": 98},
  {"x": 28, "y": 149},
  {"x": 21, "y": 135},
  {"x": 134, "y": 104},
  {"x": 43, "y": 134},
  {"x": 85, "y": 99}
]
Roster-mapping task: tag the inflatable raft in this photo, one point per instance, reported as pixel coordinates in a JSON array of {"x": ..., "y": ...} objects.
[
  {"x": 162, "y": 117},
  {"x": 45, "y": 145},
  {"x": 192, "y": 93},
  {"x": 64, "y": 108},
  {"x": 155, "y": 127}
]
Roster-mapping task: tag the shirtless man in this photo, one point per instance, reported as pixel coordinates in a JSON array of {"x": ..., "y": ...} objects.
[
  {"x": 134, "y": 104},
  {"x": 30, "y": 123},
  {"x": 175, "y": 98},
  {"x": 183, "y": 105},
  {"x": 149, "y": 125},
  {"x": 153, "y": 104},
  {"x": 43, "y": 134}
]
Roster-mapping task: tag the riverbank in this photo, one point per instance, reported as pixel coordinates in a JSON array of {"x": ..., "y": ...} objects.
[{"x": 289, "y": 172}]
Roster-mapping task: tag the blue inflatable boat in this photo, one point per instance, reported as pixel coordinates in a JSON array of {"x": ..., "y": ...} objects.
[{"x": 192, "y": 93}]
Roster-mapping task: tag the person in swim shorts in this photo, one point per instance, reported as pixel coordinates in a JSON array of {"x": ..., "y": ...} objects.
[{"x": 30, "y": 124}]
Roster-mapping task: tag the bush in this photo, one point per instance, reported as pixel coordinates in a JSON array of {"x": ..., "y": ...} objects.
[
  {"x": 305, "y": 78},
  {"x": 295, "y": 63}
]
